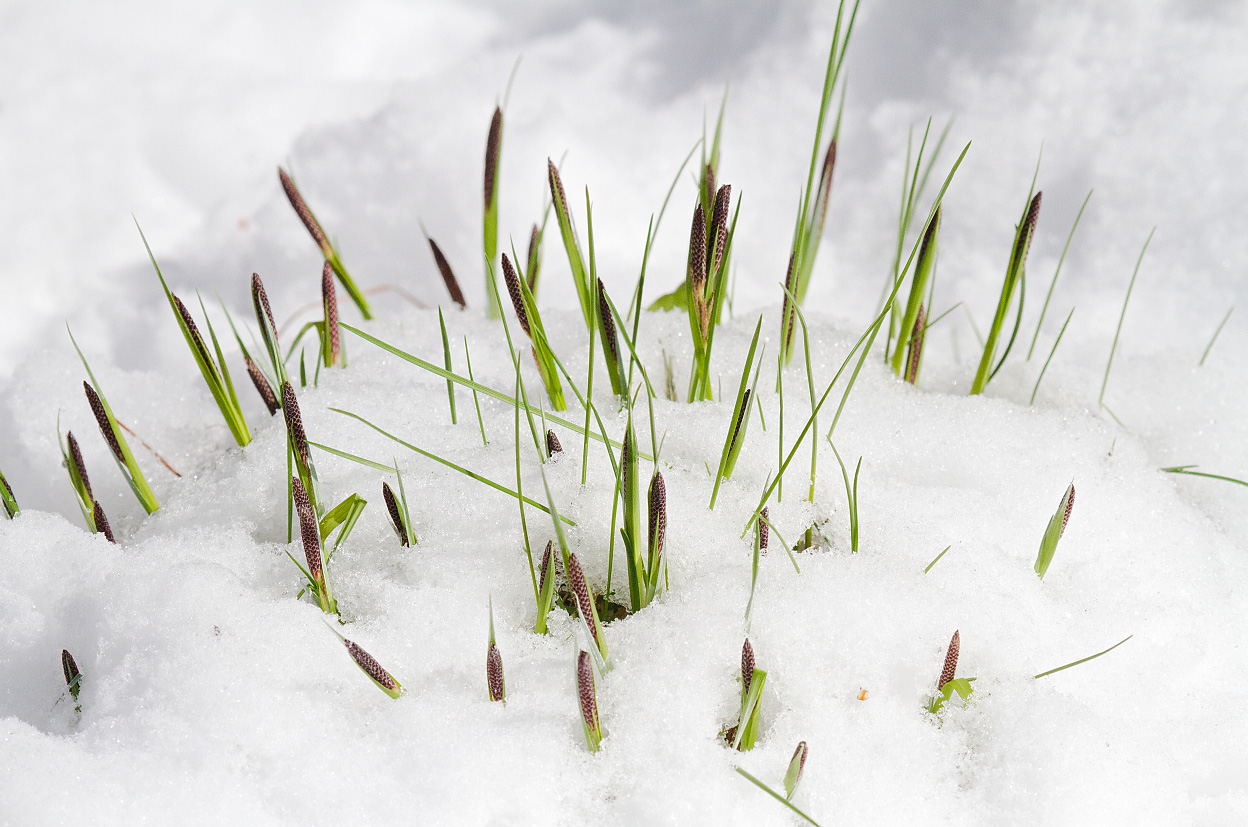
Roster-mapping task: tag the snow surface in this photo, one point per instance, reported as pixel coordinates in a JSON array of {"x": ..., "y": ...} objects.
[{"x": 210, "y": 694}]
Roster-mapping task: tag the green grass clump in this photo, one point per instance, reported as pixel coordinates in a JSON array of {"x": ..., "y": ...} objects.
[
  {"x": 322, "y": 242},
  {"x": 111, "y": 430},
  {"x": 710, "y": 253},
  {"x": 216, "y": 373}
]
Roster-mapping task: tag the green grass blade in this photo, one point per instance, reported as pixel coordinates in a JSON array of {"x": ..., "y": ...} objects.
[
  {"x": 737, "y": 424},
  {"x": 475, "y": 401},
  {"x": 1100, "y": 401},
  {"x": 446, "y": 355},
  {"x": 428, "y": 455},
  {"x": 1216, "y": 333},
  {"x": 937, "y": 559},
  {"x": 1056, "y": 342},
  {"x": 774, "y": 794},
  {"x": 1085, "y": 660},
  {"x": 1056, "y": 273}
]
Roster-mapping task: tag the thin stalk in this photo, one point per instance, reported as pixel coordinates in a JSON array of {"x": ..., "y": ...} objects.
[
  {"x": 1216, "y": 333},
  {"x": 1056, "y": 273},
  {"x": 1056, "y": 342},
  {"x": 1100, "y": 400}
]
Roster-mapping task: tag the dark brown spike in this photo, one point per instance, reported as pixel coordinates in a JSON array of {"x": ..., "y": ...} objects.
[
  {"x": 535, "y": 241},
  {"x": 308, "y": 530},
  {"x": 764, "y": 531},
  {"x": 556, "y": 187},
  {"x": 1070, "y": 504},
  {"x": 262, "y": 385},
  {"x": 396, "y": 514},
  {"x": 585, "y": 690},
  {"x": 799, "y": 755},
  {"x": 787, "y": 313},
  {"x": 329, "y": 301},
  {"x": 1028, "y": 230},
  {"x": 951, "y": 661},
  {"x": 260, "y": 301},
  {"x": 305, "y": 214},
  {"x": 914, "y": 351},
  {"x": 448, "y": 275},
  {"x": 718, "y": 238},
  {"x": 658, "y": 517},
  {"x": 79, "y": 467},
  {"x": 708, "y": 185},
  {"x": 101, "y": 419},
  {"x": 552, "y": 444},
  {"x": 607, "y": 320},
  {"x": 824, "y": 192},
  {"x": 517, "y": 297},
  {"x": 101, "y": 523},
  {"x": 741, "y": 415},
  {"x": 494, "y": 674},
  {"x": 697, "y": 252},
  {"x": 747, "y": 666},
  {"x": 547, "y": 565},
  {"x": 492, "y": 146},
  {"x": 584, "y": 598},
  {"x": 371, "y": 667},
  {"x": 196, "y": 339},
  {"x": 294, "y": 423},
  {"x": 73, "y": 677}
]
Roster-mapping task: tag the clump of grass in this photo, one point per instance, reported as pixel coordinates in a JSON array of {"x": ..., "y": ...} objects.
[
  {"x": 494, "y": 665},
  {"x": 710, "y": 252},
  {"x": 322, "y": 241},
  {"x": 643, "y": 554},
  {"x": 7, "y": 500},
  {"x": 111, "y": 430},
  {"x": 587, "y": 697},
  {"x": 216, "y": 373},
  {"x": 369, "y": 666},
  {"x": 531, "y": 323},
  {"x": 808, "y": 228},
  {"x": 752, "y": 682},
  {"x": 1053, "y": 532},
  {"x": 1014, "y": 278},
  {"x": 947, "y": 684}
]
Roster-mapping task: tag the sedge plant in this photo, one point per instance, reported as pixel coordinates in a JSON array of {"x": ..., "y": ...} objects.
[
  {"x": 494, "y": 683},
  {"x": 111, "y": 430},
  {"x": 1054, "y": 531},
  {"x": 531, "y": 323},
  {"x": 948, "y": 684},
  {"x": 587, "y": 700},
  {"x": 752, "y": 682},
  {"x": 215, "y": 372},
  {"x": 315, "y": 230},
  {"x": 382, "y": 679}
]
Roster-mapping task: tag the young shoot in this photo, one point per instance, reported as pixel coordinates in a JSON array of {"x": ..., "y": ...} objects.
[
  {"x": 1053, "y": 532},
  {"x": 947, "y": 684},
  {"x": 531, "y": 323},
  {"x": 752, "y": 682},
  {"x": 587, "y": 698},
  {"x": 494, "y": 683},
  {"x": 369, "y": 666}
]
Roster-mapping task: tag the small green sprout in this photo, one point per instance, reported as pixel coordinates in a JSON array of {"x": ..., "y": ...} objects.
[
  {"x": 1053, "y": 532},
  {"x": 494, "y": 665},
  {"x": 918, "y": 289},
  {"x": 546, "y": 587},
  {"x": 369, "y": 666},
  {"x": 587, "y": 698},
  {"x": 397, "y": 513},
  {"x": 796, "y": 765},
  {"x": 73, "y": 677},
  {"x": 322, "y": 241}
]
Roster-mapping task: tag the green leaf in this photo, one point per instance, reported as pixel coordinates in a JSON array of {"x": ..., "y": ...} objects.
[{"x": 678, "y": 299}]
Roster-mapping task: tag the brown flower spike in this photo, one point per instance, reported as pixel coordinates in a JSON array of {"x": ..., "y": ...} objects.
[
  {"x": 1070, "y": 504},
  {"x": 747, "y": 667},
  {"x": 73, "y": 678},
  {"x": 308, "y": 531},
  {"x": 75, "y": 458},
  {"x": 517, "y": 297},
  {"x": 547, "y": 561},
  {"x": 764, "y": 531},
  {"x": 719, "y": 229},
  {"x": 658, "y": 517},
  {"x": 494, "y": 674},
  {"x": 552, "y": 444},
  {"x": 396, "y": 514},
  {"x": 329, "y": 301},
  {"x": 101, "y": 523},
  {"x": 101, "y": 418},
  {"x": 448, "y": 275},
  {"x": 196, "y": 339},
  {"x": 951, "y": 661},
  {"x": 384, "y": 680},
  {"x": 492, "y": 146},
  {"x": 588, "y": 697},
  {"x": 584, "y": 599},
  {"x": 305, "y": 214},
  {"x": 294, "y": 424},
  {"x": 262, "y": 386},
  {"x": 914, "y": 352}
]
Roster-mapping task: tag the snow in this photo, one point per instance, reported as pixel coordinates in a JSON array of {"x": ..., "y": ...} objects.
[{"x": 211, "y": 694}]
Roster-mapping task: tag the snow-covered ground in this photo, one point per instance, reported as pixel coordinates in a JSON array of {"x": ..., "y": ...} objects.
[{"x": 211, "y": 694}]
